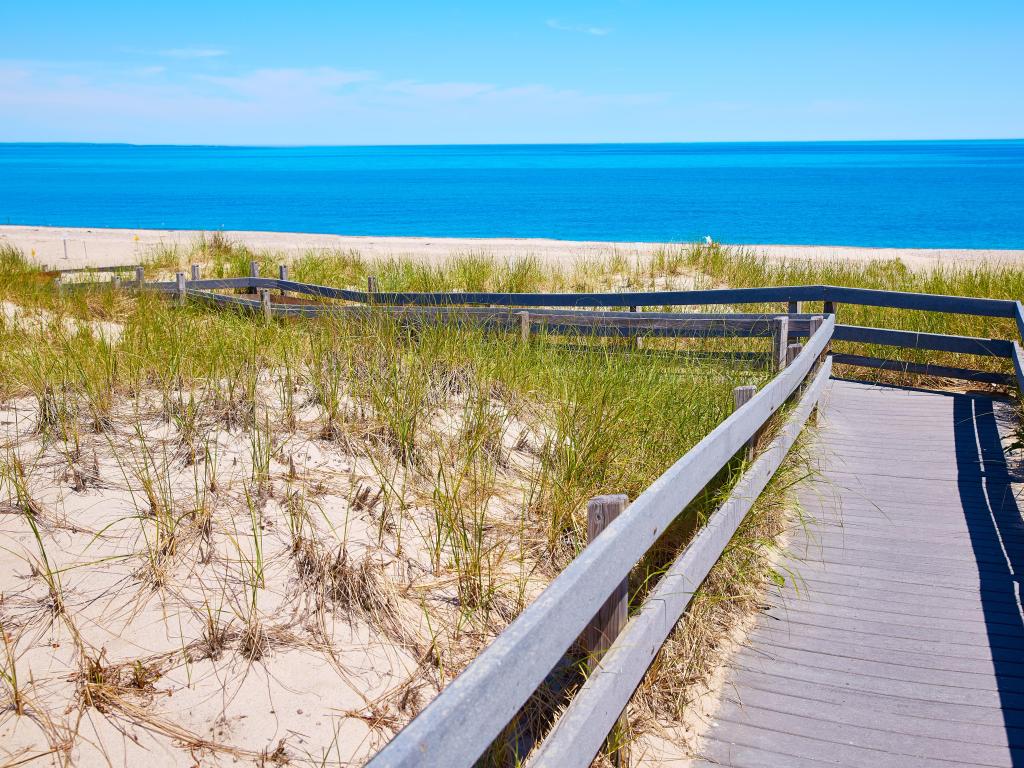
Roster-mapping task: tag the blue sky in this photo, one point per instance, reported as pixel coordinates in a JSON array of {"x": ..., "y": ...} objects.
[{"x": 631, "y": 70}]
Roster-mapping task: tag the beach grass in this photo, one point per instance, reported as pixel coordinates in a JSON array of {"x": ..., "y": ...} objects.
[
  {"x": 311, "y": 488},
  {"x": 421, "y": 484}
]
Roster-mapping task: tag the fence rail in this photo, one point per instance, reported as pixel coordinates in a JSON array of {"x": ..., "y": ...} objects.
[
  {"x": 543, "y": 308},
  {"x": 459, "y": 725}
]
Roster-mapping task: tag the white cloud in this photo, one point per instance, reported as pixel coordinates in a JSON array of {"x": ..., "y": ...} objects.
[
  {"x": 582, "y": 28},
  {"x": 192, "y": 53}
]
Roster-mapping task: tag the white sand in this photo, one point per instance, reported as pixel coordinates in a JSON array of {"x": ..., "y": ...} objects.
[{"x": 69, "y": 248}]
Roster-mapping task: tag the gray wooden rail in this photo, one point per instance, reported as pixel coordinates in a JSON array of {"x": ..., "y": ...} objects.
[
  {"x": 541, "y": 304},
  {"x": 459, "y": 725}
]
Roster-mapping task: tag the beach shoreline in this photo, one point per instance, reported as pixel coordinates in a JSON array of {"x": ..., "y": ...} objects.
[{"x": 78, "y": 247}]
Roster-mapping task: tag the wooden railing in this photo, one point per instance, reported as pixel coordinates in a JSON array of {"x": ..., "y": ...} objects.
[
  {"x": 541, "y": 306},
  {"x": 459, "y": 725}
]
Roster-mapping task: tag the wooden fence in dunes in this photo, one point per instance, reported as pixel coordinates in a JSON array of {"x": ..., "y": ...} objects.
[{"x": 474, "y": 709}]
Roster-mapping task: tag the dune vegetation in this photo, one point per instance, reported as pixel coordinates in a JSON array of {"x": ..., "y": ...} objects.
[{"x": 276, "y": 542}]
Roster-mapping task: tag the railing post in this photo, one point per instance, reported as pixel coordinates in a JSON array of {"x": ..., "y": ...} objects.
[
  {"x": 740, "y": 397},
  {"x": 254, "y": 271},
  {"x": 780, "y": 338},
  {"x": 371, "y": 284},
  {"x": 829, "y": 307},
  {"x": 611, "y": 618},
  {"x": 282, "y": 274},
  {"x": 179, "y": 282},
  {"x": 792, "y": 308},
  {"x": 816, "y": 321},
  {"x": 791, "y": 352},
  {"x": 815, "y": 324},
  {"x": 195, "y": 271},
  {"x": 524, "y": 327},
  {"x": 140, "y": 277},
  {"x": 268, "y": 311}
]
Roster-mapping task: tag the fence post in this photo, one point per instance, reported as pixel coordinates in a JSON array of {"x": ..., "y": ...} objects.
[
  {"x": 793, "y": 308},
  {"x": 268, "y": 311},
  {"x": 179, "y": 281},
  {"x": 371, "y": 284},
  {"x": 524, "y": 326},
  {"x": 140, "y": 277},
  {"x": 780, "y": 338},
  {"x": 815, "y": 324},
  {"x": 830, "y": 307},
  {"x": 612, "y": 616},
  {"x": 195, "y": 271},
  {"x": 282, "y": 274},
  {"x": 58, "y": 284},
  {"x": 741, "y": 396},
  {"x": 115, "y": 281},
  {"x": 791, "y": 352}
]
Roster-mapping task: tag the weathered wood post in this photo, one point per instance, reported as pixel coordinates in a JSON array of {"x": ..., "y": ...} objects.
[
  {"x": 253, "y": 272},
  {"x": 268, "y": 311},
  {"x": 115, "y": 281},
  {"x": 791, "y": 352},
  {"x": 815, "y": 324},
  {"x": 371, "y": 284},
  {"x": 610, "y": 620},
  {"x": 830, "y": 307},
  {"x": 140, "y": 277},
  {"x": 282, "y": 274},
  {"x": 741, "y": 396},
  {"x": 792, "y": 308},
  {"x": 524, "y": 327},
  {"x": 780, "y": 338},
  {"x": 195, "y": 271},
  {"x": 179, "y": 283},
  {"x": 58, "y": 283}
]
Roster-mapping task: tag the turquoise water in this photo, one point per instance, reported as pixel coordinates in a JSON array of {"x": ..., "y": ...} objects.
[{"x": 965, "y": 194}]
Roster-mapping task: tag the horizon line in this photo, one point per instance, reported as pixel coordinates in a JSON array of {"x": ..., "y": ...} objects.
[{"x": 516, "y": 144}]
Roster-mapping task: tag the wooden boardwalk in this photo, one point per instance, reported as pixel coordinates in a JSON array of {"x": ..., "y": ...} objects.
[{"x": 900, "y": 642}]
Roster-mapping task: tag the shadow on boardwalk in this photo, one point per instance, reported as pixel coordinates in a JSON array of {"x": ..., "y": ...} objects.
[{"x": 985, "y": 483}]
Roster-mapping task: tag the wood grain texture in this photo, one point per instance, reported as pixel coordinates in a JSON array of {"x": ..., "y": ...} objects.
[{"x": 898, "y": 639}]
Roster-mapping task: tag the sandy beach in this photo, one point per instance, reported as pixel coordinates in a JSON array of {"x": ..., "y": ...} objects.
[{"x": 73, "y": 248}]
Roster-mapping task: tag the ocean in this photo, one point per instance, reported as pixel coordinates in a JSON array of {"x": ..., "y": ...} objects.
[{"x": 926, "y": 194}]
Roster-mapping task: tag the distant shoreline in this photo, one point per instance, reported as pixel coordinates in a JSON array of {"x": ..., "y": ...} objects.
[{"x": 73, "y": 247}]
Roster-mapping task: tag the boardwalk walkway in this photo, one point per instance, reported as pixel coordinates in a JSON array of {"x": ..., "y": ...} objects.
[{"x": 902, "y": 642}]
